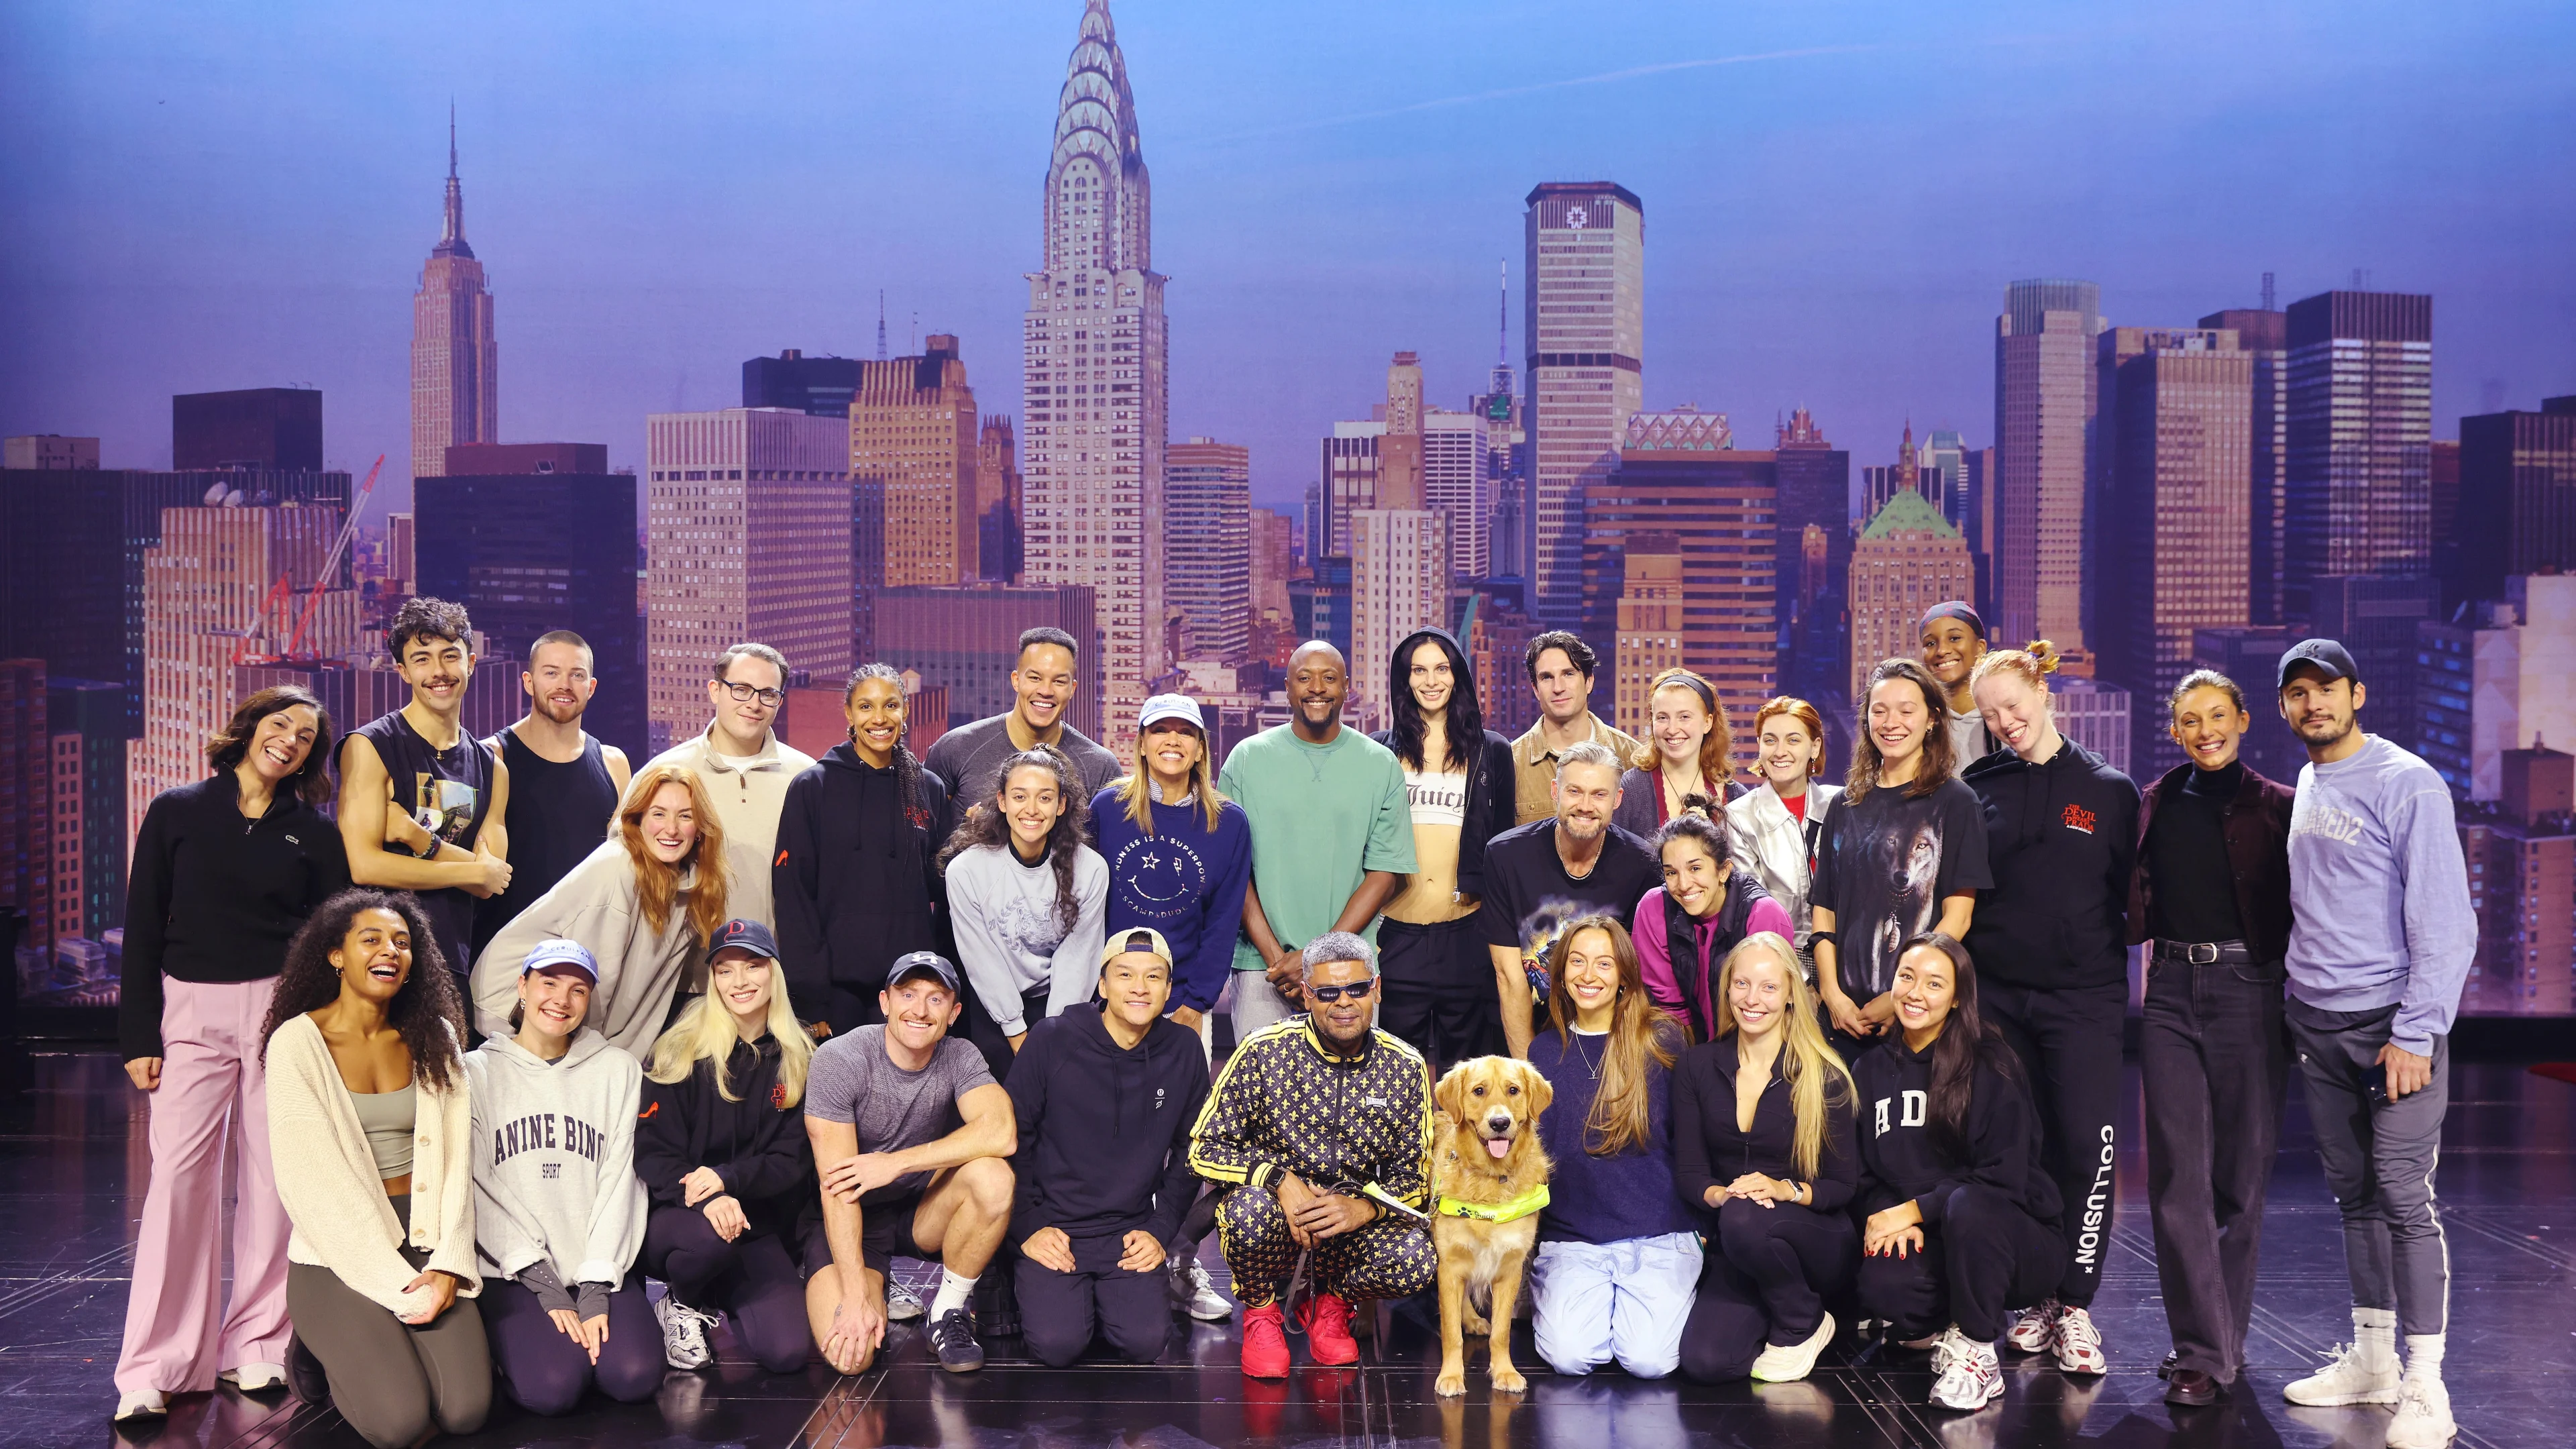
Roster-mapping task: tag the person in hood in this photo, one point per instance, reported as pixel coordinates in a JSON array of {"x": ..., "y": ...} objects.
[
  {"x": 1458, "y": 780},
  {"x": 1776, "y": 828},
  {"x": 1688, "y": 751},
  {"x": 2062, "y": 844},
  {"x": 1689, "y": 925},
  {"x": 1027, "y": 897},
  {"x": 1104, "y": 1101},
  {"x": 1959, "y": 1218},
  {"x": 643, "y": 905},
  {"x": 558, "y": 1211},
  {"x": 853, "y": 880},
  {"x": 735, "y": 1226}
]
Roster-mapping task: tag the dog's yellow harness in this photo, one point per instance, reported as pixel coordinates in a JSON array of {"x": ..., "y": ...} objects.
[{"x": 1494, "y": 1212}]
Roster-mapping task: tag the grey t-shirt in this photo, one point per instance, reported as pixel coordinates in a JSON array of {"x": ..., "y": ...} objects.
[
  {"x": 969, "y": 760},
  {"x": 853, "y": 1080}
]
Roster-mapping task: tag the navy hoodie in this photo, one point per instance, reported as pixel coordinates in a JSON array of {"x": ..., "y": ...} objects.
[
  {"x": 853, "y": 883},
  {"x": 1183, "y": 880},
  {"x": 1105, "y": 1130},
  {"x": 1898, "y": 1159},
  {"x": 2062, "y": 842}
]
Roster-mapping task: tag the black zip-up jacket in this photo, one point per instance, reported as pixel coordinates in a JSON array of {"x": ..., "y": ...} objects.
[
  {"x": 756, "y": 1143},
  {"x": 2257, "y": 826},
  {"x": 853, "y": 883},
  {"x": 1492, "y": 799},
  {"x": 2062, "y": 841},
  {"x": 1105, "y": 1129},
  {"x": 1898, "y": 1160},
  {"x": 1709, "y": 1152},
  {"x": 215, "y": 896}
]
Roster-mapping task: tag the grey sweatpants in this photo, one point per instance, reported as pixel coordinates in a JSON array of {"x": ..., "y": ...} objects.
[{"x": 2379, "y": 1161}]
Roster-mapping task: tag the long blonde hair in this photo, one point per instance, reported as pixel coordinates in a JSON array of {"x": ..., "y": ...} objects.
[
  {"x": 658, "y": 885},
  {"x": 1808, "y": 1063},
  {"x": 1640, "y": 1033},
  {"x": 1136, "y": 791},
  {"x": 705, "y": 1032}
]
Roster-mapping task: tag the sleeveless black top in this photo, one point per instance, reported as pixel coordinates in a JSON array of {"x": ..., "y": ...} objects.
[
  {"x": 559, "y": 813},
  {"x": 450, "y": 792}
]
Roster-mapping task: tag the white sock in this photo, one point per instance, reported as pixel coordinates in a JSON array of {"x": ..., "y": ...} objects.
[
  {"x": 954, "y": 1292},
  {"x": 2424, "y": 1356},
  {"x": 2374, "y": 1332}
]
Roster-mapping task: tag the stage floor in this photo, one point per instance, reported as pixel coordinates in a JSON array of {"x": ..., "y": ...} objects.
[{"x": 72, "y": 1164}]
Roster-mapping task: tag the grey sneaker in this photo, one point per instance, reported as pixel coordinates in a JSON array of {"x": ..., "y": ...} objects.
[
  {"x": 1193, "y": 1294},
  {"x": 902, "y": 1304},
  {"x": 684, "y": 1334}
]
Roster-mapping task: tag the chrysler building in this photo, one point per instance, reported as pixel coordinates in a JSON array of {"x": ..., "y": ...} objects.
[{"x": 1096, "y": 375}]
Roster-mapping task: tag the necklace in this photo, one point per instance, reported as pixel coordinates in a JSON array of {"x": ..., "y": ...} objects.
[{"x": 1590, "y": 1063}]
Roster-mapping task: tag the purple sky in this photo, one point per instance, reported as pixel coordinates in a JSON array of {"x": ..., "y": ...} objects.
[{"x": 1835, "y": 194}]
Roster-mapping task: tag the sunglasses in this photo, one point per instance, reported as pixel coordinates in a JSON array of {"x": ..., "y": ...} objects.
[{"x": 1357, "y": 991}]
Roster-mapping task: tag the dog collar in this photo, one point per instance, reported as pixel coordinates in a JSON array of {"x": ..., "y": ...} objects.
[{"x": 1496, "y": 1212}]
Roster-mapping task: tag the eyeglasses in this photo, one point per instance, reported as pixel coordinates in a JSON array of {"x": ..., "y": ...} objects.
[
  {"x": 1356, "y": 991},
  {"x": 745, "y": 694}
]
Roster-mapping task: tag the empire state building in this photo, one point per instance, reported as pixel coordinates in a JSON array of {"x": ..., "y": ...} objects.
[
  {"x": 1097, "y": 371},
  {"x": 455, "y": 365}
]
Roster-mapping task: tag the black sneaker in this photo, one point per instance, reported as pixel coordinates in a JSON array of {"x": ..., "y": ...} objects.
[
  {"x": 953, "y": 1334},
  {"x": 304, "y": 1376}
]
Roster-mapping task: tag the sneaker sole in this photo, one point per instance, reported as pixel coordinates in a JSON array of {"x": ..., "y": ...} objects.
[
  {"x": 1970, "y": 1408},
  {"x": 2095, "y": 1370},
  {"x": 2341, "y": 1401},
  {"x": 1211, "y": 1315}
]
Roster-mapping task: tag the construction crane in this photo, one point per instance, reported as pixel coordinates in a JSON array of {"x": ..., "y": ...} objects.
[{"x": 281, "y": 595}]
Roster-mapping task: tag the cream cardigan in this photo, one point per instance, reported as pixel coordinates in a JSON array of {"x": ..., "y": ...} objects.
[{"x": 327, "y": 1179}]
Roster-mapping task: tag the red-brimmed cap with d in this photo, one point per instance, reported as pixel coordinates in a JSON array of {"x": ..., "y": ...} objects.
[
  {"x": 744, "y": 935},
  {"x": 2323, "y": 655},
  {"x": 556, "y": 952}
]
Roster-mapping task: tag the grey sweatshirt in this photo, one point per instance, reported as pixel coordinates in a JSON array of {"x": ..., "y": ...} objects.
[
  {"x": 554, "y": 1160},
  {"x": 2379, "y": 893},
  {"x": 1007, "y": 937}
]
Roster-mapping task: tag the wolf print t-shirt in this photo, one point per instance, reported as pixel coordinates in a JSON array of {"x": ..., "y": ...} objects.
[{"x": 1887, "y": 860}]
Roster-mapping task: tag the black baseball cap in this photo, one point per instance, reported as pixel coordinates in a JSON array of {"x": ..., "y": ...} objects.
[
  {"x": 914, "y": 963},
  {"x": 750, "y": 936},
  {"x": 2323, "y": 655}
]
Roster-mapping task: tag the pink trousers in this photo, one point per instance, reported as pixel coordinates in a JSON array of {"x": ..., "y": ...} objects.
[{"x": 178, "y": 1333}]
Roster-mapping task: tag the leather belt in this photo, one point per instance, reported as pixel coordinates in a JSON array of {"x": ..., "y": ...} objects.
[{"x": 2206, "y": 953}]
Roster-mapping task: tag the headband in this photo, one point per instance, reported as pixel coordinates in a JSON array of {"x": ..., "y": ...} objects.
[
  {"x": 1691, "y": 682},
  {"x": 1958, "y": 609}
]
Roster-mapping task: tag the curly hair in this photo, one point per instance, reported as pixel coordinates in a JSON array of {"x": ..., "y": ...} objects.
[
  {"x": 424, "y": 617},
  {"x": 231, "y": 744},
  {"x": 986, "y": 825},
  {"x": 427, "y": 1010}
]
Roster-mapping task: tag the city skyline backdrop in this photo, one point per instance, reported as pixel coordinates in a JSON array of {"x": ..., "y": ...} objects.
[{"x": 1834, "y": 199}]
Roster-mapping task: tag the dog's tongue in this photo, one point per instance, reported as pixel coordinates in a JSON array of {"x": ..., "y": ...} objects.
[{"x": 1497, "y": 1146}]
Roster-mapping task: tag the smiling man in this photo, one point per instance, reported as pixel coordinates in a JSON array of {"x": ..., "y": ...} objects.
[
  {"x": 564, "y": 784},
  {"x": 1560, "y": 668},
  {"x": 1571, "y": 863},
  {"x": 1044, "y": 680},
  {"x": 746, "y": 768}
]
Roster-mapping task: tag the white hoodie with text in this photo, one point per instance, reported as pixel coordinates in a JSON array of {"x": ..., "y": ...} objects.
[{"x": 554, "y": 1159}]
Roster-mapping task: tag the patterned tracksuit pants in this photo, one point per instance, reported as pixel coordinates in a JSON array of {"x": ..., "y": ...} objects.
[{"x": 1389, "y": 1258}]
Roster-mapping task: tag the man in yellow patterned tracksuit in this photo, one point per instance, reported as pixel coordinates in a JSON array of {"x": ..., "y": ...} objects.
[{"x": 1318, "y": 1126}]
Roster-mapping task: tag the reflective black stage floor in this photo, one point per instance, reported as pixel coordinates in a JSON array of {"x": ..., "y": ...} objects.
[{"x": 71, "y": 1175}]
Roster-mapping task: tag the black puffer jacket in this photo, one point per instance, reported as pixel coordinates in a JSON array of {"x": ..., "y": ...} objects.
[{"x": 2062, "y": 841}]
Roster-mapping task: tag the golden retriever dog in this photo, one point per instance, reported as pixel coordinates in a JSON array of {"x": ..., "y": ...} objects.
[{"x": 1487, "y": 1164}]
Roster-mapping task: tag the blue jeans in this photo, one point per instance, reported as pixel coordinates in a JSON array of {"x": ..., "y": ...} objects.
[{"x": 1624, "y": 1301}]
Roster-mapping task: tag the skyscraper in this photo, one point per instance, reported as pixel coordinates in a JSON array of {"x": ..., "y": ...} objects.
[
  {"x": 748, "y": 538},
  {"x": 1650, "y": 628},
  {"x": 2045, "y": 400},
  {"x": 1879, "y": 483},
  {"x": 1457, "y": 482},
  {"x": 1814, "y": 528},
  {"x": 2360, "y": 439},
  {"x": 254, "y": 429},
  {"x": 1945, "y": 475},
  {"x": 1350, "y": 468},
  {"x": 1399, "y": 584},
  {"x": 2262, "y": 335},
  {"x": 1207, "y": 568},
  {"x": 2517, "y": 496},
  {"x": 1585, "y": 339},
  {"x": 1096, "y": 363},
  {"x": 26, "y": 798},
  {"x": 1908, "y": 559},
  {"x": 997, "y": 500},
  {"x": 913, "y": 429},
  {"x": 821, "y": 386},
  {"x": 455, "y": 363}
]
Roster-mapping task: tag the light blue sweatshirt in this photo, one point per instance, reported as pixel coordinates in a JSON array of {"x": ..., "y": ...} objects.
[{"x": 2380, "y": 893}]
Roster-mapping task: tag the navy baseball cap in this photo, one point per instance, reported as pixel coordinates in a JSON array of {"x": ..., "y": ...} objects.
[
  {"x": 914, "y": 963},
  {"x": 2324, "y": 655},
  {"x": 556, "y": 951},
  {"x": 750, "y": 936}
]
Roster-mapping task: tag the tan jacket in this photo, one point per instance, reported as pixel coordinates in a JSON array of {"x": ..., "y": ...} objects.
[
  {"x": 327, "y": 1179},
  {"x": 1534, "y": 766},
  {"x": 748, "y": 795}
]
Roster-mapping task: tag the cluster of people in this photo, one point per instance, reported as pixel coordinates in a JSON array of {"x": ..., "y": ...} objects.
[{"x": 1811, "y": 1049}]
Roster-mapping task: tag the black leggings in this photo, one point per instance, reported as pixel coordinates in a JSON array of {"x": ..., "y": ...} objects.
[
  {"x": 2069, "y": 1045},
  {"x": 1764, "y": 1280},
  {"x": 1439, "y": 996},
  {"x": 1985, "y": 1255},
  {"x": 545, "y": 1372},
  {"x": 754, "y": 1280}
]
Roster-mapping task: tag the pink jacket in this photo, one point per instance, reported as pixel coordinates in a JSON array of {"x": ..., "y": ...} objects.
[{"x": 1655, "y": 955}]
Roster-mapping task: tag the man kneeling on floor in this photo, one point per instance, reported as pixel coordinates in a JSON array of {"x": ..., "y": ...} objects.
[
  {"x": 912, "y": 1138},
  {"x": 1105, "y": 1099},
  {"x": 1319, "y": 1128}
]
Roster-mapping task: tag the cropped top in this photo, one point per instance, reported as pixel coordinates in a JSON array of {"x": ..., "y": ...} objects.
[{"x": 387, "y": 1118}]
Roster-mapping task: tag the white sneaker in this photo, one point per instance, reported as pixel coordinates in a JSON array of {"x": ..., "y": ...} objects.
[
  {"x": 1971, "y": 1376},
  {"x": 2423, "y": 1418},
  {"x": 902, "y": 1304},
  {"x": 2034, "y": 1329},
  {"x": 2347, "y": 1378},
  {"x": 253, "y": 1378},
  {"x": 684, "y": 1333},
  {"x": 1193, "y": 1294},
  {"x": 2079, "y": 1344},
  {"x": 1779, "y": 1365},
  {"x": 1930, "y": 1340},
  {"x": 141, "y": 1404}
]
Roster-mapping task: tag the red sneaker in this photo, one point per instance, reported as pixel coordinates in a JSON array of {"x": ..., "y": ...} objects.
[
  {"x": 1265, "y": 1342},
  {"x": 1327, "y": 1321}
]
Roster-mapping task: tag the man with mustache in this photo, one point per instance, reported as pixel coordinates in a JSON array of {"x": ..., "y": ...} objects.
[
  {"x": 421, "y": 802},
  {"x": 565, "y": 784},
  {"x": 1540, "y": 875}
]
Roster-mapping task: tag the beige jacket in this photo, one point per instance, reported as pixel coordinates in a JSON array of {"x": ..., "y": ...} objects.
[
  {"x": 748, "y": 795},
  {"x": 327, "y": 1179},
  {"x": 640, "y": 969}
]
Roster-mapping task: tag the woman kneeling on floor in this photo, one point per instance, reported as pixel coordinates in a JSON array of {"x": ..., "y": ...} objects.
[
  {"x": 559, "y": 1212},
  {"x": 1962, "y": 1217},
  {"x": 1762, "y": 1137}
]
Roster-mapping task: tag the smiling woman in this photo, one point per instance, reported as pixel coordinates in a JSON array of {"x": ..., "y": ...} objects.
[{"x": 1028, "y": 900}]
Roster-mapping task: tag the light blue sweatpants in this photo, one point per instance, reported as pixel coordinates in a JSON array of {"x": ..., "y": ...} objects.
[{"x": 1626, "y": 1301}]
